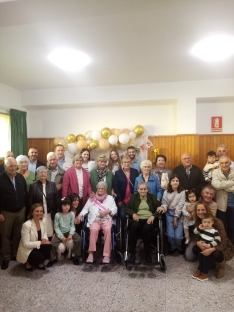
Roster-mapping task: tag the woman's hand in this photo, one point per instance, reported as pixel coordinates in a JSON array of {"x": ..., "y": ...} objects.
[
  {"x": 160, "y": 209},
  {"x": 69, "y": 237},
  {"x": 113, "y": 193},
  {"x": 78, "y": 219},
  {"x": 64, "y": 240},
  {"x": 102, "y": 214},
  {"x": 91, "y": 195},
  {"x": 202, "y": 245},
  {"x": 2, "y": 219},
  {"x": 208, "y": 251},
  {"x": 135, "y": 217},
  {"x": 58, "y": 187},
  {"x": 151, "y": 220},
  {"x": 175, "y": 222},
  {"x": 45, "y": 241}
]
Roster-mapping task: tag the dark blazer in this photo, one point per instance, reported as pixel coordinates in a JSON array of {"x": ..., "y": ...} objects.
[
  {"x": 134, "y": 203},
  {"x": 2, "y": 168},
  {"x": 52, "y": 196},
  {"x": 120, "y": 183},
  {"x": 195, "y": 179},
  {"x": 11, "y": 199},
  {"x": 39, "y": 163}
]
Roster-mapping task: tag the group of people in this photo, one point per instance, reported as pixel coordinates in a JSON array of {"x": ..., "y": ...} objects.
[{"x": 56, "y": 197}]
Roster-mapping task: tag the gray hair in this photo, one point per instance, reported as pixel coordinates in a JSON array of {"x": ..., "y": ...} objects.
[
  {"x": 77, "y": 157},
  {"x": 50, "y": 154},
  {"x": 223, "y": 156},
  {"x": 142, "y": 183},
  {"x": 146, "y": 163},
  {"x": 102, "y": 183},
  {"x": 8, "y": 160},
  {"x": 21, "y": 158},
  {"x": 41, "y": 168},
  {"x": 209, "y": 187}
]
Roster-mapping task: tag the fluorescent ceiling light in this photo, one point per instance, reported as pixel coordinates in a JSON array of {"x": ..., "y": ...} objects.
[
  {"x": 70, "y": 60},
  {"x": 214, "y": 48}
]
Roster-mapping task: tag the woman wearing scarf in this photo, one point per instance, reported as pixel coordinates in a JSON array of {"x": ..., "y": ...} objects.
[
  {"x": 102, "y": 173},
  {"x": 100, "y": 209}
]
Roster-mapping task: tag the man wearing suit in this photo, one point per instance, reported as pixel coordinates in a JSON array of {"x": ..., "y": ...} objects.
[
  {"x": 33, "y": 162},
  {"x": 13, "y": 201},
  {"x": 8, "y": 154},
  {"x": 190, "y": 176}
]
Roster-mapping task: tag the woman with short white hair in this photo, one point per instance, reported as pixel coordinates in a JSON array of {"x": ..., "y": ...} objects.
[
  {"x": 153, "y": 184},
  {"x": 22, "y": 162}
]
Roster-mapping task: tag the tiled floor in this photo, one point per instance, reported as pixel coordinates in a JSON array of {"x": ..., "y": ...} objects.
[{"x": 66, "y": 287}]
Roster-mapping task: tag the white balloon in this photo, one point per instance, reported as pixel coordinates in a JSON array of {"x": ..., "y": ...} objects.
[
  {"x": 113, "y": 139},
  {"x": 72, "y": 148},
  {"x": 132, "y": 135},
  {"x": 123, "y": 138},
  {"x": 96, "y": 135}
]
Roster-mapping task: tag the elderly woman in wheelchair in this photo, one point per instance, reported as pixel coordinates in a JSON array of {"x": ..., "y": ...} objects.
[
  {"x": 142, "y": 208},
  {"x": 100, "y": 209}
]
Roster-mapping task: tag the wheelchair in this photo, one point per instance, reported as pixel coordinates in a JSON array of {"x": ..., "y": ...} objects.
[
  {"x": 157, "y": 245},
  {"x": 116, "y": 254}
]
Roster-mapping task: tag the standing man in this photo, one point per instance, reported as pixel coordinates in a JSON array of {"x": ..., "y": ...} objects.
[
  {"x": 33, "y": 162},
  {"x": 55, "y": 173},
  {"x": 7, "y": 154},
  {"x": 64, "y": 161},
  {"x": 13, "y": 201},
  {"x": 131, "y": 153},
  {"x": 222, "y": 150},
  {"x": 190, "y": 176}
]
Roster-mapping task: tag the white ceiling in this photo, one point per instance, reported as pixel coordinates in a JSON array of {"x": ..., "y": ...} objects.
[{"x": 129, "y": 41}]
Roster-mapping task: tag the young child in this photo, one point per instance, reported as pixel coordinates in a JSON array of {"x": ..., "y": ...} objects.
[
  {"x": 212, "y": 163},
  {"x": 211, "y": 238},
  {"x": 172, "y": 204},
  {"x": 187, "y": 210},
  {"x": 65, "y": 232}
]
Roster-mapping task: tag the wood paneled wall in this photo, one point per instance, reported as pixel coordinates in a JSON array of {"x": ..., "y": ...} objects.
[{"x": 170, "y": 146}]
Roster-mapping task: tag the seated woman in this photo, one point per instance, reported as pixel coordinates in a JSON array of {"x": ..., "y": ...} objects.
[
  {"x": 100, "y": 208},
  {"x": 152, "y": 181},
  {"x": 219, "y": 254},
  {"x": 142, "y": 207},
  {"x": 114, "y": 163},
  {"x": 87, "y": 164},
  {"x": 44, "y": 191},
  {"x": 124, "y": 185},
  {"x": 22, "y": 162},
  {"x": 102, "y": 173},
  {"x": 65, "y": 232},
  {"x": 34, "y": 247}
]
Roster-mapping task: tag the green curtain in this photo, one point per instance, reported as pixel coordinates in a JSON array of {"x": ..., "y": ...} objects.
[{"x": 18, "y": 126}]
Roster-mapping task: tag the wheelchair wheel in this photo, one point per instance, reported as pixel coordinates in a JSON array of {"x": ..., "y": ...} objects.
[
  {"x": 119, "y": 257},
  {"x": 162, "y": 262}
]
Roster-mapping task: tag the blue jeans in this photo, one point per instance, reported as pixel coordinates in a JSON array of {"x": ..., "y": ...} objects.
[
  {"x": 122, "y": 214},
  {"x": 174, "y": 235}
]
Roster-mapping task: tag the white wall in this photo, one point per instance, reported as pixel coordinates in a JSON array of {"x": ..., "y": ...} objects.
[
  {"x": 9, "y": 98},
  {"x": 126, "y": 107}
]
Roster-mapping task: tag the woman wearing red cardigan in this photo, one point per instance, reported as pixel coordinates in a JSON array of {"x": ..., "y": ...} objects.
[{"x": 76, "y": 180}]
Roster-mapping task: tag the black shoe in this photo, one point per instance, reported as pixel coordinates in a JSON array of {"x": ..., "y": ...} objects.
[
  {"x": 148, "y": 259},
  {"x": 181, "y": 251},
  {"x": 51, "y": 263},
  {"x": 5, "y": 264},
  {"x": 132, "y": 259},
  {"x": 41, "y": 268},
  {"x": 76, "y": 260},
  {"x": 171, "y": 251},
  {"x": 14, "y": 259}
]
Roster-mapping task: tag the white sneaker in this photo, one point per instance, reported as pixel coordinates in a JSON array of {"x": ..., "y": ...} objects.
[{"x": 187, "y": 241}]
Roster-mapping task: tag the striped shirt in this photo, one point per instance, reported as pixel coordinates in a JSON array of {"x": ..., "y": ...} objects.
[{"x": 209, "y": 236}]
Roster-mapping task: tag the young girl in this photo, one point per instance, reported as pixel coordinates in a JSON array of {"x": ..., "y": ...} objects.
[
  {"x": 65, "y": 231},
  {"x": 114, "y": 163},
  {"x": 172, "y": 204},
  {"x": 191, "y": 199}
]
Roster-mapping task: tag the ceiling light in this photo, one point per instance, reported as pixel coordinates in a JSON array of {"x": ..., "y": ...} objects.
[
  {"x": 214, "y": 48},
  {"x": 70, "y": 60}
]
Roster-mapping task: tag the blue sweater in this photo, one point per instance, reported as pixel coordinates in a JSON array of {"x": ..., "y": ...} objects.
[{"x": 154, "y": 186}]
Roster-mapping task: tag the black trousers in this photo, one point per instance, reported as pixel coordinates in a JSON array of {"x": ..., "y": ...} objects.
[
  {"x": 38, "y": 256},
  {"x": 216, "y": 256},
  {"x": 143, "y": 228}
]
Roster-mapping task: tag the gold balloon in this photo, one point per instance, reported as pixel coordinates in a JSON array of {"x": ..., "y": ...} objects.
[
  {"x": 127, "y": 131},
  {"x": 81, "y": 144},
  {"x": 93, "y": 144},
  {"x": 124, "y": 146},
  {"x": 88, "y": 135},
  {"x": 106, "y": 132},
  {"x": 80, "y": 137},
  {"x": 104, "y": 144},
  {"x": 116, "y": 146},
  {"x": 132, "y": 142},
  {"x": 57, "y": 140},
  {"x": 117, "y": 132},
  {"x": 71, "y": 138},
  {"x": 139, "y": 130},
  {"x": 113, "y": 130}
]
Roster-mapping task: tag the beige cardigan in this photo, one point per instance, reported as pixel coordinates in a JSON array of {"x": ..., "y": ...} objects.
[
  {"x": 29, "y": 239},
  {"x": 222, "y": 186}
]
